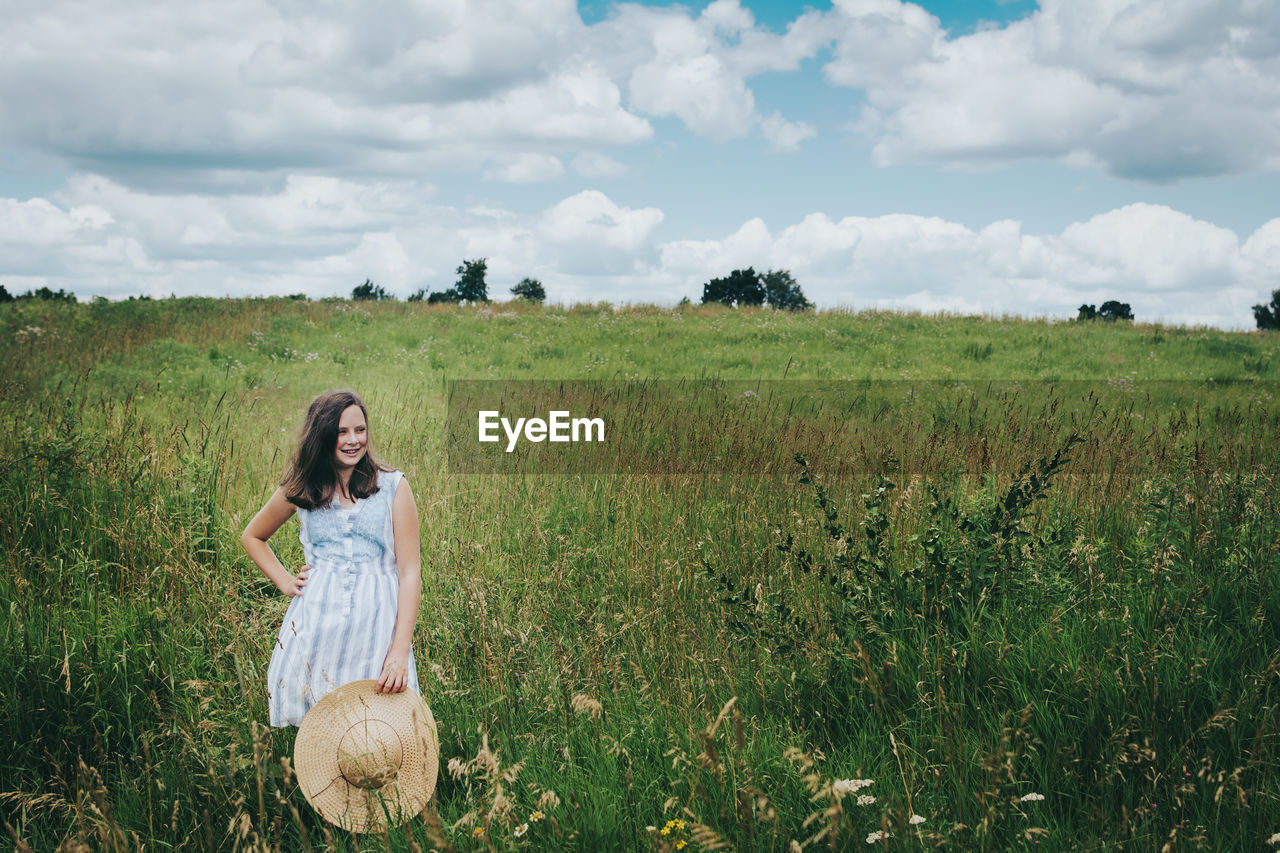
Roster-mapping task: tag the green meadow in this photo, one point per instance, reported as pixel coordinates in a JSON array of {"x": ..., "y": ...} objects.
[{"x": 1042, "y": 612}]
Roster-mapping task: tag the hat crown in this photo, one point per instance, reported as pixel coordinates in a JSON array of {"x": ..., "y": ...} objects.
[{"x": 369, "y": 754}]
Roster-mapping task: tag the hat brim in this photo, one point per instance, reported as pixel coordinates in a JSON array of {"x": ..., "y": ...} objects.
[{"x": 316, "y": 757}]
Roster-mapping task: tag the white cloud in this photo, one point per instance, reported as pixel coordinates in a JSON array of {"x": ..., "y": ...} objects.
[
  {"x": 409, "y": 52},
  {"x": 323, "y": 236},
  {"x": 1167, "y": 265},
  {"x": 696, "y": 69},
  {"x": 315, "y": 235},
  {"x": 184, "y": 98},
  {"x": 686, "y": 79},
  {"x": 593, "y": 164},
  {"x": 224, "y": 98},
  {"x": 1261, "y": 256},
  {"x": 1147, "y": 89},
  {"x": 877, "y": 39},
  {"x": 36, "y": 223},
  {"x": 526, "y": 169},
  {"x": 783, "y": 135},
  {"x": 1160, "y": 248},
  {"x": 590, "y": 234}
]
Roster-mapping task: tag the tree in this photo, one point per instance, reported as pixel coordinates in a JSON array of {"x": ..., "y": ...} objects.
[
  {"x": 530, "y": 289},
  {"x": 5, "y": 295},
  {"x": 1268, "y": 316},
  {"x": 471, "y": 287},
  {"x": 741, "y": 287},
  {"x": 370, "y": 292},
  {"x": 781, "y": 291},
  {"x": 1110, "y": 311},
  {"x": 418, "y": 295},
  {"x": 46, "y": 295},
  {"x": 776, "y": 288}
]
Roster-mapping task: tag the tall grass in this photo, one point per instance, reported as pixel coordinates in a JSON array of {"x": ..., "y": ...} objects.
[{"x": 1006, "y": 600}]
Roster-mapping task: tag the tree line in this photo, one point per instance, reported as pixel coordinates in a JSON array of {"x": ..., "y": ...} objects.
[
  {"x": 775, "y": 288},
  {"x": 470, "y": 288}
]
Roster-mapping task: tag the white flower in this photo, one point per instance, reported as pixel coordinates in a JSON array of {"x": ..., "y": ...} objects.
[
  {"x": 916, "y": 820},
  {"x": 849, "y": 786},
  {"x": 875, "y": 836},
  {"x": 1275, "y": 839},
  {"x": 1027, "y": 798},
  {"x": 865, "y": 799},
  {"x": 521, "y": 829}
]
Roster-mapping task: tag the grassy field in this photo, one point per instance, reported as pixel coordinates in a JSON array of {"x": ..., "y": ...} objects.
[{"x": 1042, "y": 614}]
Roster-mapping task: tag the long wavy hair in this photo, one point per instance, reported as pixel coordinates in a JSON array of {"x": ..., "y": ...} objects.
[{"x": 312, "y": 477}]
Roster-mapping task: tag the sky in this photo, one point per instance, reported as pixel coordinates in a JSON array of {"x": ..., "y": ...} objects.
[{"x": 996, "y": 157}]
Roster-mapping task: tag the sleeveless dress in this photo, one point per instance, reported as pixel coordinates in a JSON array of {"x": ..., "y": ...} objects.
[{"x": 339, "y": 630}]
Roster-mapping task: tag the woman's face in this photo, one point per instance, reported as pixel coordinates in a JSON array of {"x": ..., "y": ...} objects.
[{"x": 353, "y": 438}]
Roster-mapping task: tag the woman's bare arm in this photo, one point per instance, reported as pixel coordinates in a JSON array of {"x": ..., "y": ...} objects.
[
  {"x": 404, "y": 524},
  {"x": 273, "y": 514}
]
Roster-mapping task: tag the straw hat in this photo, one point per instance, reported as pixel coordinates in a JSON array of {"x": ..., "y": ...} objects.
[{"x": 365, "y": 760}]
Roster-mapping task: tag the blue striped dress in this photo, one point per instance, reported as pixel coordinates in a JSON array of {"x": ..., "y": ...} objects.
[{"x": 340, "y": 628}]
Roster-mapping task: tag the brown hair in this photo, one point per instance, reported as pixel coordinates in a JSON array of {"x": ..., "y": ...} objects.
[{"x": 312, "y": 478}]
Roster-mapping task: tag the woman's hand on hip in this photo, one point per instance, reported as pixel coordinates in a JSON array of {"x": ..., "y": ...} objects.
[
  {"x": 395, "y": 673},
  {"x": 295, "y": 585}
]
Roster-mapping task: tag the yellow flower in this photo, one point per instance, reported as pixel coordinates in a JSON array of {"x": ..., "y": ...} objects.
[
  {"x": 478, "y": 831},
  {"x": 679, "y": 824},
  {"x": 666, "y": 830},
  {"x": 680, "y": 845}
]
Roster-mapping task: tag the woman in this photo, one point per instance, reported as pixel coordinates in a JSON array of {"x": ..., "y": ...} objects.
[{"x": 355, "y": 603}]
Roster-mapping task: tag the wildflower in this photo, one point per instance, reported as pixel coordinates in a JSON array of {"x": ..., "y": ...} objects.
[
  {"x": 679, "y": 823},
  {"x": 1027, "y": 798},
  {"x": 916, "y": 820},
  {"x": 873, "y": 837},
  {"x": 666, "y": 830},
  {"x": 521, "y": 829},
  {"x": 478, "y": 831},
  {"x": 865, "y": 799},
  {"x": 1275, "y": 839},
  {"x": 536, "y": 816},
  {"x": 849, "y": 786},
  {"x": 680, "y": 845}
]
